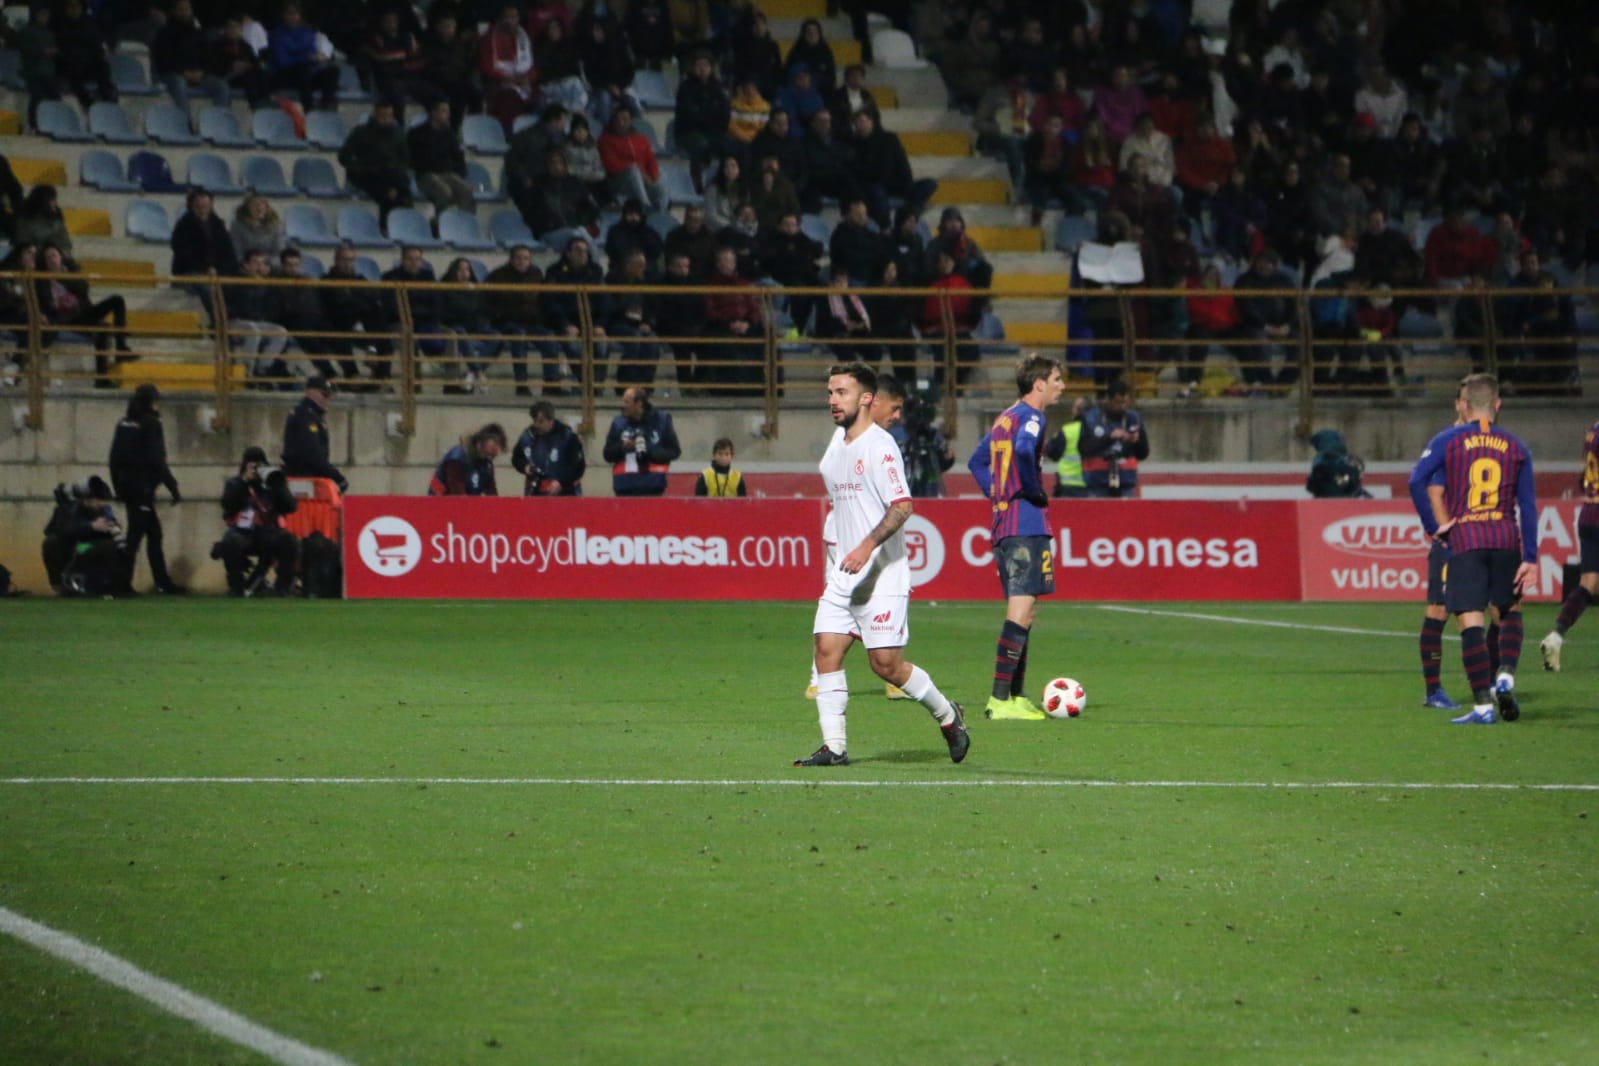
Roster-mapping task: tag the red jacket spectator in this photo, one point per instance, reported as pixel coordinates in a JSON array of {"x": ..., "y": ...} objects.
[
  {"x": 1061, "y": 100},
  {"x": 738, "y": 305},
  {"x": 1456, "y": 250},
  {"x": 1205, "y": 163},
  {"x": 961, "y": 306},
  {"x": 619, "y": 151},
  {"x": 1212, "y": 310}
]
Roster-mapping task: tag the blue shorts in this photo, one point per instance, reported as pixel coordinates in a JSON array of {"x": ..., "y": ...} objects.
[
  {"x": 1481, "y": 578},
  {"x": 1588, "y": 538},
  {"x": 1437, "y": 572},
  {"x": 1026, "y": 566}
]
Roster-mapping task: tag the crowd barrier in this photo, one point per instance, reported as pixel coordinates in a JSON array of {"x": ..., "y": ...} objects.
[{"x": 408, "y": 547}]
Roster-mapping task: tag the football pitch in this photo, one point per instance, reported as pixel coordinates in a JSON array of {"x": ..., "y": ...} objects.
[{"x": 569, "y": 832}]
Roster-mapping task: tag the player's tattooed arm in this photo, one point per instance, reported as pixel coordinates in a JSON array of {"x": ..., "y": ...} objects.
[
  {"x": 898, "y": 514},
  {"x": 856, "y": 560}
]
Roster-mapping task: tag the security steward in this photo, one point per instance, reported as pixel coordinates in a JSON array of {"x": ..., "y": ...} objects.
[
  {"x": 138, "y": 467},
  {"x": 1065, "y": 448},
  {"x": 305, "y": 436}
]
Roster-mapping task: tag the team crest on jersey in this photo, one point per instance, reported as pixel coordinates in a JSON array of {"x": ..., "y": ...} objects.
[
  {"x": 860, "y": 466},
  {"x": 1032, "y": 426},
  {"x": 888, "y": 458}
]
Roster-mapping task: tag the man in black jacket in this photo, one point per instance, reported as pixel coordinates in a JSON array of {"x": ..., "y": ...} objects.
[
  {"x": 855, "y": 247},
  {"x": 549, "y": 454},
  {"x": 348, "y": 308},
  {"x": 884, "y": 170},
  {"x": 138, "y": 466},
  {"x": 180, "y": 56},
  {"x": 377, "y": 161},
  {"x": 439, "y": 161},
  {"x": 305, "y": 436},
  {"x": 701, "y": 116},
  {"x": 253, "y": 503}
]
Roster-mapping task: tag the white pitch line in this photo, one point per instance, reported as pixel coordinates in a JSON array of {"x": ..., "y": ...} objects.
[
  {"x": 1268, "y": 622},
  {"x": 166, "y": 995},
  {"x": 799, "y": 782}
]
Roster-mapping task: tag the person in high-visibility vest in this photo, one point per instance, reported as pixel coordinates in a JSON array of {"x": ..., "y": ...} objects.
[
  {"x": 1063, "y": 448},
  {"x": 720, "y": 480}
]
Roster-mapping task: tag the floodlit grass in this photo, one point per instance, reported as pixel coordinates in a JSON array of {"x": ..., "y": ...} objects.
[{"x": 566, "y": 912}]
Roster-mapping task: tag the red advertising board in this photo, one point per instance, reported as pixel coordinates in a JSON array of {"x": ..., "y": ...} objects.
[
  {"x": 1119, "y": 550},
  {"x": 1375, "y": 549},
  {"x": 420, "y": 547},
  {"x": 770, "y": 549}
]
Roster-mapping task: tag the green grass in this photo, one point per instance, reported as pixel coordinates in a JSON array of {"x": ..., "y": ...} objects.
[{"x": 740, "y": 921}]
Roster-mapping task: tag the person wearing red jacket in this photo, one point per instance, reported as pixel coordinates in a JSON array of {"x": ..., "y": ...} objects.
[
  {"x": 505, "y": 57},
  {"x": 732, "y": 369},
  {"x": 963, "y": 308},
  {"x": 1205, "y": 162},
  {"x": 1455, "y": 250},
  {"x": 630, "y": 163},
  {"x": 1213, "y": 315}
]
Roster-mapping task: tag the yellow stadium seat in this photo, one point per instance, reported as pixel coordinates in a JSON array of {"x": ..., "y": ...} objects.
[
  {"x": 972, "y": 191},
  {"x": 87, "y": 221},
  {"x": 38, "y": 171},
  {"x": 937, "y": 142},
  {"x": 1008, "y": 238}
]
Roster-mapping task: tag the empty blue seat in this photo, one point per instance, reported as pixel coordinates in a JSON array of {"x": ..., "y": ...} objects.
[
  {"x": 263, "y": 174},
  {"x": 211, "y": 173},
  {"x": 315, "y": 176},
  {"x": 483, "y": 135},
  {"x": 312, "y": 265},
  {"x": 360, "y": 226},
  {"x": 663, "y": 223},
  {"x": 480, "y": 270},
  {"x": 669, "y": 145},
  {"x": 816, "y": 228},
  {"x": 60, "y": 122},
  {"x": 368, "y": 268},
  {"x": 169, "y": 124},
  {"x": 325, "y": 129},
  {"x": 101, "y": 170},
  {"x": 522, "y": 122},
  {"x": 152, "y": 172},
  {"x": 507, "y": 229},
  {"x": 350, "y": 85},
  {"x": 221, "y": 127},
  {"x": 483, "y": 187},
  {"x": 129, "y": 76},
  {"x": 275, "y": 129},
  {"x": 147, "y": 220},
  {"x": 111, "y": 124},
  {"x": 307, "y": 227},
  {"x": 11, "y": 70},
  {"x": 1072, "y": 230},
  {"x": 650, "y": 89},
  {"x": 407, "y": 226},
  {"x": 460, "y": 230},
  {"x": 679, "y": 184}
]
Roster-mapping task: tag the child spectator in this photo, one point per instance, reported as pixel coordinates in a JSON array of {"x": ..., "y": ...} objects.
[{"x": 720, "y": 480}]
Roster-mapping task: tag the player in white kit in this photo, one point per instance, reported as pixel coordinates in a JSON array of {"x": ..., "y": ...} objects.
[{"x": 867, "y": 594}]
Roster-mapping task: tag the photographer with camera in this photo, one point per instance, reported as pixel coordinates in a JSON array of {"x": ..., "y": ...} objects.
[
  {"x": 85, "y": 550},
  {"x": 927, "y": 453},
  {"x": 1113, "y": 443},
  {"x": 640, "y": 446},
  {"x": 549, "y": 454},
  {"x": 253, "y": 505}
]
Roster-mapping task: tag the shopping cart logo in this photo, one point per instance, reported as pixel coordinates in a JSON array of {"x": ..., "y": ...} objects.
[
  {"x": 924, "y": 550},
  {"x": 390, "y": 546}
]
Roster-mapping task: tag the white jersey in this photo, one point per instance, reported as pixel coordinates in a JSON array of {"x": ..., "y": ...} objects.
[{"x": 863, "y": 479}]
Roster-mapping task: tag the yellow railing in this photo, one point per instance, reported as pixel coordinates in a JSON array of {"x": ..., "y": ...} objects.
[{"x": 1134, "y": 334}]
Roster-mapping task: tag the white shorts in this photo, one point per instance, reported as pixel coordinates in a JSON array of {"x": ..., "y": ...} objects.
[{"x": 880, "y": 622}]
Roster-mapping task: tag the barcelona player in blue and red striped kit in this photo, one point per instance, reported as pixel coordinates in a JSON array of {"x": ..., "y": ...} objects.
[
  {"x": 1485, "y": 508},
  {"x": 1587, "y": 590},
  {"x": 1008, "y": 465}
]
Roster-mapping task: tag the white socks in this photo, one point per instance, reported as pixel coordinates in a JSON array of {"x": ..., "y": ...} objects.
[
  {"x": 920, "y": 688},
  {"x": 832, "y": 697}
]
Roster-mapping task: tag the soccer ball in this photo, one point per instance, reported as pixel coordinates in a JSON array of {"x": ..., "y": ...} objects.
[{"x": 1064, "y": 698}]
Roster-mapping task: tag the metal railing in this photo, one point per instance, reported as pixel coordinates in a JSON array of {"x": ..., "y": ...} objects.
[{"x": 1134, "y": 334}]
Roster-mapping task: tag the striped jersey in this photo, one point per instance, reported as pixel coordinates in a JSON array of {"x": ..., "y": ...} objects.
[
  {"x": 1488, "y": 489},
  {"x": 1008, "y": 464},
  {"x": 1590, "y": 478}
]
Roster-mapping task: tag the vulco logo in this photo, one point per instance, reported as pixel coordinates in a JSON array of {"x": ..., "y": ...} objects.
[
  {"x": 924, "y": 549},
  {"x": 1385, "y": 536},
  {"x": 390, "y": 546}
]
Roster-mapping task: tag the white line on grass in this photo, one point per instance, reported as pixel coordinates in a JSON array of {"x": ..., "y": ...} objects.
[
  {"x": 805, "y": 782},
  {"x": 1268, "y": 622},
  {"x": 166, "y": 995}
]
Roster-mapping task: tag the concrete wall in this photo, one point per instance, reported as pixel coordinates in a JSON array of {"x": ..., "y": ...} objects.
[{"x": 77, "y": 438}]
